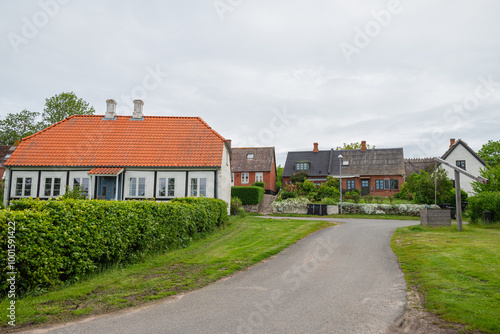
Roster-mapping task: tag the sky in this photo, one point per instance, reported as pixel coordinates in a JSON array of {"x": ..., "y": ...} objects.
[{"x": 398, "y": 73}]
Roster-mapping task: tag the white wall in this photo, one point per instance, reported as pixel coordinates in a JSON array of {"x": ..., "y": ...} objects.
[
  {"x": 81, "y": 175},
  {"x": 472, "y": 165},
  {"x": 55, "y": 174},
  {"x": 209, "y": 175},
  {"x": 149, "y": 176},
  {"x": 180, "y": 183},
  {"x": 32, "y": 174},
  {"x": 224, "y": 179}
]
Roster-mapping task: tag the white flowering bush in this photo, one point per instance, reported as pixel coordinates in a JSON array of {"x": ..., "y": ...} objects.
[
  {"x": 291, "y": 205},
  {"x": 385, "y": 209}
]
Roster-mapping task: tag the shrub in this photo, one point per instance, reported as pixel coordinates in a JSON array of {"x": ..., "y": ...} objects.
[
  {"x": 299, "y": 177},
  {"x": 368, "y": 198},
  {"x": 259, "y": 184},
  {"x": 288, "y": 194},
  {"x": 248, "y": 195},
  {"x": 2, "y": 185},
  {"x": 306, "y": 187},
  {"x": 62, "y": 241},
  {"x": 450, "y": 197},
  {"x": 235, "y": 205},
  {"x": 391, "y": 198},
  {"x": 291, "y": 205},
  {"x": 485, "y": 201},
  {"x": 379, "y": 199},
  {"x": 330, "y": 201},
  {"x": 75, "y": 193}
]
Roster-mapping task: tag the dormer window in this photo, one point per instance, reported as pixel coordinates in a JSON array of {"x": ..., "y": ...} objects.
[
  {"x": 302, "y": 166},
  {"x": 250, "y": 156}
]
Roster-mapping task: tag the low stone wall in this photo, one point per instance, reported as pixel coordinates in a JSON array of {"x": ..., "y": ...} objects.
[
  {"x": 435, "y": 217},
  {"x": 251, "y": 208},
  {"x": 385, "y": 209}
]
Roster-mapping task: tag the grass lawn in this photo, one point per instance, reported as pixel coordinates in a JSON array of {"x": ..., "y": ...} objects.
[
  {"x": 457, "y": 272},
  {"x": 244, "y": 242}
]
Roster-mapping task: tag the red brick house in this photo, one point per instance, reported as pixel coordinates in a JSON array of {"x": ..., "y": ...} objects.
[
  {"x": 379, "y": 172},
  {"x": 254, "y": 164}
]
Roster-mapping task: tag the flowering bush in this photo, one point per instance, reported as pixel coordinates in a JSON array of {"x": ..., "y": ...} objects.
[
  {"x": 291, "y": 205},
  {"x": 385, "y": 209}
]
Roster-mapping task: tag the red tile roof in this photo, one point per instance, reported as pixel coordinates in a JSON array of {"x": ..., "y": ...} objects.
[
  {"x": 106, "y": 170},
  {"x": 88, "y": 140}
]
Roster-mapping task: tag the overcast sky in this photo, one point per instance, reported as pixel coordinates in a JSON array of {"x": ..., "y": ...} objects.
[{"x": 409, "y": 74}]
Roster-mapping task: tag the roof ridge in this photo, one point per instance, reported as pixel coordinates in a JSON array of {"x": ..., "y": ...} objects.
[{"x": 208, "y": 126}]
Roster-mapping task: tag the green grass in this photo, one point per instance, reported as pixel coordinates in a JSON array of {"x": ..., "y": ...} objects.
[
  {"x": 457, "y": 272},
  {"x": 244, "y": 242},
  {"x": 349, "y": 215}
]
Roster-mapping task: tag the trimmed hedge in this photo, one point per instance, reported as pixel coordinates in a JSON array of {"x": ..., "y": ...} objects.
[
  {"x": 248, "y": 195},
  {"x": 59, "y": 241},
  {"x": 259, "y": 184},
  {"x": 485, "y": 201}
]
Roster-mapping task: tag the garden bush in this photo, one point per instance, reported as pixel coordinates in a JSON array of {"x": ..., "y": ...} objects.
[
  {"x": 248, "y": 195},
  {"x": 62, "y": 241},
  {"x": 291, "y": 205},
  {"x": 235, "y": 205},
  {"x": 259, "y": 184},
  {"x": 485, "y": 201},
  {"x": 385, "y": 209},
  {"x": 288, "y": 194}
]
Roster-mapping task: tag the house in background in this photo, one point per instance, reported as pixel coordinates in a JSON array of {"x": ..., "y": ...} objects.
[
  {"x": 254, "y": 164},
  {"x": 378, "y": 172},
  {"x": 415, "y": 165},
  {"x": 122, "y": 158},
  {"x": 461, "y": 155},
  {"x": 5, "y": 153}
]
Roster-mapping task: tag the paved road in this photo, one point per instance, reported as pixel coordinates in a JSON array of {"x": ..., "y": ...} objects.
[{"x": 343, "y": 279}]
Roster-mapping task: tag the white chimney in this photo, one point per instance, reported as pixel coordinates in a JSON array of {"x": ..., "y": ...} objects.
[
  {"x": 137, "y": 109},
  {"x": 110, "y": 109}
]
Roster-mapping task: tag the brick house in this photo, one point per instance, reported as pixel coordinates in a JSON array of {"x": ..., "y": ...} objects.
[
  {"x": 5, "y": 153},
  {"x": 122, "y": 158},
  {"x": 254, "y": 164},
  {"x": 378, "y": 172}
]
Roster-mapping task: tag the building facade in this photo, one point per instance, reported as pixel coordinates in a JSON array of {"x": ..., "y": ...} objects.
[{"x": 254, "y": 164}]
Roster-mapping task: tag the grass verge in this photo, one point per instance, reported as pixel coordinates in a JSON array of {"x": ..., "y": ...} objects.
[
  {"x": 244, "y": 242},
  {"x": 458, "y": 273}
]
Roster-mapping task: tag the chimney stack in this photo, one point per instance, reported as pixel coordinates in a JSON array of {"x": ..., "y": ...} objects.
[
  {"x": 363, "y": 145},
  {"x": 452, "y": 142},
  {"x": 110, "y": 109},
  {"x": 229, "y": 141},
  {"x": 138, "y": 110},
  {"x": 315, "y": 148}
]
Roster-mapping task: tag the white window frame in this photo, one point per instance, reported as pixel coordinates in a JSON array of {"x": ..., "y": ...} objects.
[
  {"x": 198, "y": 187},
  {"x": 170, "y": 193},
  {"x": 81, "y": 183},
  {"x": 133, "y": 191},
  {"x": 50, "y": 192},
  {"x": 259, "y": 177},
  {"x": 245, "y": 178},
  {"x": 23, "y": 186}
]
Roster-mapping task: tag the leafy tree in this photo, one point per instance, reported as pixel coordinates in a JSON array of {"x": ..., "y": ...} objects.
[
  {"x": 63, "y": 105},
  {"x": 17, "y": 126},
  {"x": 353, "y": 146},
  {"x": 299, "y": 177},
  {"x": 330, "y": 189},
  {"x": 279, "y": 177},
  {"x": 421, "y": 187},
  {"x": 490, "y": 153},
  {"x": 493, "y": 176}
]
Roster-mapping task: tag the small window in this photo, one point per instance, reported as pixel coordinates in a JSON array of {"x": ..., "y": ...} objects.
[
  {"x": 379, "y": 184},
  {"x": 350, "y": 184},
  {"x": 250, "y": 156},
  {"x": 259, "y": 177},
  {"x": 461, "y": 164},
  {"x": 163, "y": 187},
  {"x": 137, "y": 187},
  {"x": 387, "y": 184},
  {"x": 244, "y": 178},
  {"x": 394, "y": 184},
  {"x": 83, "y": 183},
  {"x": 166, "y": 187},
  {"x": 199, "y": 187},
  {"x": 133, "y": 186},
  {"x": 171, "y": 187},
  {"x": 232, "y": 178},
  {"x": 345, "y": 162},
  {"x": 203, "y": 187},
  {"x": 194, "y": 187},
  {"x": 302, "y": 166},
  {"x": 52, "y": 187}
]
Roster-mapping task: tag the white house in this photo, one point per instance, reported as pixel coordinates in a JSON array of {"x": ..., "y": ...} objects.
[
  {"x": 461, "y": 155},
  {"x": 122, "y": 158}
]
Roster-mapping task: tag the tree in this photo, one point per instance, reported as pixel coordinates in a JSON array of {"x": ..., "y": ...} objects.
[
  {"x": 353, "y": 146},
  {"x": 17, "y": 126},
  {"x": 490, "y": 153},
  {"x": 63, "y": 105},
  {"x": 493, "y": 176},
  {"x": 299, "y": 177},
  {"x": 279, "y": 177},
  {"x": 421, "y": 186}
]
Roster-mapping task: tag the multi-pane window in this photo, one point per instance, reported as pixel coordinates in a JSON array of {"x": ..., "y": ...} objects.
[
  {"x": 82, "y": 183},
  {"x": 250, "y": 156},
  {"x": 167, "y": 187},
  {"x": 137, "y": 187},
  {"x": 259, "y": 177},
  {"x": 52, "y": 187},
  {"x": 244, "y": 177},
  {"x": 232, "y": 178},
  {"x": 302, "y": 166},
  {"x": 350, "y": 184},
  {"x": 461, "y": 164},
  {"x": 199, "y": 187},
  {"x": 386, "y": 184},
  {"x": 23, "y": 186}
]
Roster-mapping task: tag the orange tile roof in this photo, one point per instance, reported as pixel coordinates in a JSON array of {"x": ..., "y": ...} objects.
[
  {"x": 88, "y": 140},
  {"x": 106, "y": 170}
]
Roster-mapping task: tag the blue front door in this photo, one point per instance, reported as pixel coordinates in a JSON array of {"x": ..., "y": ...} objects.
[{"x": 108, "y": 187}]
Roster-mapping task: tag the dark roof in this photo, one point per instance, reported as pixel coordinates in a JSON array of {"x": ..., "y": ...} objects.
[
  {"x": 388, "y": 161},
  {"x": 464, "y": 144},
  {"x": 5, "y": 152},
  {"x": 417, "y": 164},
  {"x": 263, "y": 159}
]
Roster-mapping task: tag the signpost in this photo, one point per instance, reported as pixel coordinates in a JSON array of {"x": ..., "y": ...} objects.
[{"x": 458, "y": 196}]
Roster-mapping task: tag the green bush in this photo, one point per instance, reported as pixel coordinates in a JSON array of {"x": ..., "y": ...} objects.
[
  {"x": 2, "y": 185},
  {"x": 235, "y": 205},
  {"x": 330, "y": 201},
  {"x": 451, "y": 198},
  {"x": 485, "y": 201},
  {"x": 248, "y": 195},
  {"x": 62, "y": 241},
  {"x": 75, "y": 193},
  {"x": 259, "y": 184},
  {"x": 368, "y": 198},
  {"x": 288, "y": 194}
]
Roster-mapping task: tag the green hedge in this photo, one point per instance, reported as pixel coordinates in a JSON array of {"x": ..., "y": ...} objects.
[
  {"x": 248, "y": 195},
  {"x": 259, "y": 184},
  {"x": 485, "y": 201},
  {"x": 63, "y": 240}
]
